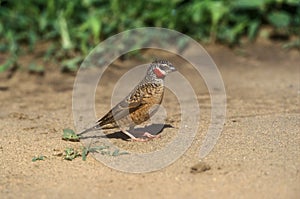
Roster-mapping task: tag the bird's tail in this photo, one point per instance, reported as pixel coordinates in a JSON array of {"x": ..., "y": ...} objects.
[
  {"x": 97, "y": 127},
  {"x": 89, "y": 129}
]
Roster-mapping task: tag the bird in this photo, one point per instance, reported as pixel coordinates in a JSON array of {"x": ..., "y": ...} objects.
[{"x": 140, "y": 104}]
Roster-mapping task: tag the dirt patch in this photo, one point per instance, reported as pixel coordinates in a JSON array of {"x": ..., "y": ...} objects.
[{"x": 257, "y": 155}]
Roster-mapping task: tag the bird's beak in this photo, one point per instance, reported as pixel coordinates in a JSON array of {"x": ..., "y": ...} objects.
[{"x": 173, "y": 69}]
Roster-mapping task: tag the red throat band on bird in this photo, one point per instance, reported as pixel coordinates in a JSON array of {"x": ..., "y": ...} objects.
[{"x": 159, "y": 73}]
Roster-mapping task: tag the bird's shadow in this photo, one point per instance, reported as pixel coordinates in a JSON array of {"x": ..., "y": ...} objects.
[{"x": 154, "y": 129}]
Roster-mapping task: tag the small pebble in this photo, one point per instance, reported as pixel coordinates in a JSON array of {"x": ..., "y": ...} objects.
[{"x": 200, "y": 167}]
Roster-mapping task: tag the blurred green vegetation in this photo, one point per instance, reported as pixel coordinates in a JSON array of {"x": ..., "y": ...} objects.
[{"x": 75, "y": 27}]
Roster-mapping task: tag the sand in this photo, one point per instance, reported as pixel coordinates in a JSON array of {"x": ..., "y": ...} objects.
[{"x": 256, "y": 156}]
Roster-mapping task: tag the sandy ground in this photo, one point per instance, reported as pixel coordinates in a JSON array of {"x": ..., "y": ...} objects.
[{"x": 256, "y": 156}]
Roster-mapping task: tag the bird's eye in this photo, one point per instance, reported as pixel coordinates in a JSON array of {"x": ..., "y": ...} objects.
[{"x": 164, "y": 66}]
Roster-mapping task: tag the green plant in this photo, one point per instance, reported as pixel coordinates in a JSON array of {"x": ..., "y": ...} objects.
[
  {"x": 36, "y": 69},
  {"x": 36, "y": 158},
  {"x": 75, "y": 27},
  {"x": 70, "y": 135},
  {"x": 97, "y": 149},
  {"x": 104, "y": 150},
  {"x": 71, "y": 154}
]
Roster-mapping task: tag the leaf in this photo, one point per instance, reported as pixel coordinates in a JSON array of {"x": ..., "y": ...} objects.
[
  {"x": 123, "y": 153},
  {"x": 84, "y": 153},
  {"x": 38, "y": 69},
  {"x": 292, "y": 2},
  {"x": 10, "y": 62},
  {"x": 49, "y": 52},
  {"x": 197, "y": 12},
  {"x": 71, "y": 65},
  {"x": 105, "y": 153},
  {"x": 69, "y": 131},
  {"x": 98, "y": 148},
  {"x": 249, "y": 4},
  {"x": 279, "y": 19},
  {"x": 70, "y": 135},
  {"x": 32, "y": 39},
  {"x": 95, "y": 25},
  {"x": 71, "y": 154},
  {"x": 116, "y": 152},
  {"x": 230, "y": 35},
  {"x": 13, "y": 44},
  {"x": 41, "y": 157},
  {"x": 64, "y": 32},
  {"x": 253, "y": 29},
  {"x": 217, "y": 11}
]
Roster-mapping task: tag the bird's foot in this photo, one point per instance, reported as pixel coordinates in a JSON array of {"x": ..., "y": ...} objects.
[
  {"x": 139, "y": 139},
  {"x": 147, "y": 136},
  {"x": 150, "y": 136}
]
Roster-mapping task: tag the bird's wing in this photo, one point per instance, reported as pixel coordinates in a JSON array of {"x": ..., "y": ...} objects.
[{"x": 132, "y": 102}]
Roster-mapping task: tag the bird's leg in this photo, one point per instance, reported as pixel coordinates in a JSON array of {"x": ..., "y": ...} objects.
[
  {"x": 149, "y": 135},
  {"x": 132, "y": 137},
  {"x": 146, "y": 134}
]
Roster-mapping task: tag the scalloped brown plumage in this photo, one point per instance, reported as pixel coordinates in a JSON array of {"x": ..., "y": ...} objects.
[{"x": 139, "y": 105}]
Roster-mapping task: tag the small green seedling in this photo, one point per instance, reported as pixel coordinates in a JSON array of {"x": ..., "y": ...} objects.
[
  {"x": 36, "y": 158},
  {"x": 117, "y": 153},
  {"x": 97, "y": 149},
  {"x": 69, "y": 135},
  {"x": 36, "y": 69},
  {"x": 104, "y": 150},
  {"x": 10, "y": 63},
  {"x": 71, "y": 154},
  {"x": 71, "y": 65},
  {"x": 85, "y": 152}
]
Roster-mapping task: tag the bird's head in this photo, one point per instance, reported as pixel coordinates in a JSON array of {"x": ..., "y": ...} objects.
[{"x": 161, "y": 68}]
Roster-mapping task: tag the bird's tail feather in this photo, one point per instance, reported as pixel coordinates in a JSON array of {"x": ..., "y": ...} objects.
[
  {"x": 89, "y": 129},
  {"x": 98, "y": 126}
]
